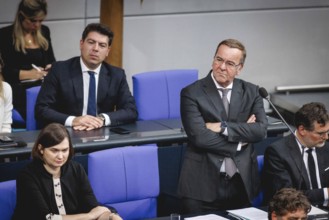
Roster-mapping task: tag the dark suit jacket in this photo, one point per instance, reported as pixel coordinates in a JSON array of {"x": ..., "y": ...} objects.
[
  {"x": 16, "y": 61},
  {"x": 36, "y": 196},
  {"x": 61, "y": 94},
  {"x": 283, "y": 167},
  {"x": 201, "y": 103}
]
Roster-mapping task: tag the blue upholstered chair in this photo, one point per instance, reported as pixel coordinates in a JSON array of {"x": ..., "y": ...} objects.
[
  {"x": 31, "y": 98},
  {"x": 126, "y": 178},
  {"x": 17, "y": 118},
  {"x": 259, "y": 199},
  {"x": 7, "y": 199},
  {"x": 157, "y": 93}
]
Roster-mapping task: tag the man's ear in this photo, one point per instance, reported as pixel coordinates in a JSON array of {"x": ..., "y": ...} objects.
[
  {"x": 240, "y": 67},
  {"x": 274, "y": 216},
  {"x": 301, "y": 130}
]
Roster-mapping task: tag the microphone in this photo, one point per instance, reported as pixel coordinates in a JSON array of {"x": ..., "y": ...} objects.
[
  {"x": 263, "y": 93},
  {"x": 13, "y": 144}
]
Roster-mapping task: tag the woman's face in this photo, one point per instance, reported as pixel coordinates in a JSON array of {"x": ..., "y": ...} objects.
[
  {"x": 33, "y": 24},
  {"x": 56, "y": 156}
]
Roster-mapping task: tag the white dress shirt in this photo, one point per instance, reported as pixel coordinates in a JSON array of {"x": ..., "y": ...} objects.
[
  {"x": 6, "y": 107},
  {"x": 85, "y": 77}
]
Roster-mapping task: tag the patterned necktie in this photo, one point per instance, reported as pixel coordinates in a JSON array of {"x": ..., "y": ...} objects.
[
  {"x": 225, "y": 99},
  {"x": 230, "y": 167},
  {"x": 311, "y": 168},
  {"x": 91, "y": 109}
]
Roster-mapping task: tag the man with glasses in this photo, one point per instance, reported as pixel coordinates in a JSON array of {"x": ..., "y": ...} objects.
[
  {"x": 301, "y": 163},
  {"x": 222, "y": 116}
]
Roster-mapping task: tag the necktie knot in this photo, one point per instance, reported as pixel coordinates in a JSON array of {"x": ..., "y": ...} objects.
[{"x": 224, "y": 91}]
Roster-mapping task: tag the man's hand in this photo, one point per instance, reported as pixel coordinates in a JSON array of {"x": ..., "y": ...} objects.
[
  {"x": 251, "y": 119},
  {"x": 87, "y": 122},
  {"x": 213, "y": 126}
]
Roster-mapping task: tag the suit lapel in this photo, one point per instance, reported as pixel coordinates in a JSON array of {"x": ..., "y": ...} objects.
[
  {"x": 236, "y": 99},
  {"x": 77, "y": 82},
  {"x": 298, "y": 160},
  {"x": 103, "y": 82},
  {"x": 214, "y": 97}
]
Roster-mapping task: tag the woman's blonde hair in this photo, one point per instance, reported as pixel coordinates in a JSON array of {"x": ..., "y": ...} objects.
[{"x": 29, "y": 9}]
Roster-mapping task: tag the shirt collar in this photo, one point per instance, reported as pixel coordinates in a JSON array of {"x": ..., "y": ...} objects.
[
  {"x": 300, "y": 145},
  {"x": 219, "y": 86},
  {"x": 85, "y": 69}
]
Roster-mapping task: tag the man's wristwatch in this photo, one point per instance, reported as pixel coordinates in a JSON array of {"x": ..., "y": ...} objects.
[
  {"x": 223, "y": 125},
  {"x": 101, "y": 116}
]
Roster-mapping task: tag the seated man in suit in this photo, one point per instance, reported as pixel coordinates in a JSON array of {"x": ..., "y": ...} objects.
[
  {"x": 289, "y": 203},
  {"x": 301, "y": 163},
  {"x": 85, "y": 92}
]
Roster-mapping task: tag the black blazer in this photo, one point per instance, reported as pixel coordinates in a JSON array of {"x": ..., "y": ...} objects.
[
  {"x": 201, "y": 103},
  {"x": 61, "y": 94},
  {"x": 36, "y": 196},
  {"x": 15, "y": 61},
  {"x": 283, "y": 167}
]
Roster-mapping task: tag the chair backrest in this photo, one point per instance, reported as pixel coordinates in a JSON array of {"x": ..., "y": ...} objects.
[
  {"x": 17, "y": 118},
  {"x": 257, "y": 202},
  {"x": 31, "y": 98},
  {"x": 7, "y": 199},
  {"x": 157, "y": 93},
  {"x": 126, "y": 178}
]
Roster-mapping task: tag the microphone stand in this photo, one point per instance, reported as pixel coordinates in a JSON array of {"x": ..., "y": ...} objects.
[{"x": 265, "y": 96}]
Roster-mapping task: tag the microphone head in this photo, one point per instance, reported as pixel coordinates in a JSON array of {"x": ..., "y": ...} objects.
[
  {"x": 21, "y": 144},
  {"x": 263, "y": 93}
]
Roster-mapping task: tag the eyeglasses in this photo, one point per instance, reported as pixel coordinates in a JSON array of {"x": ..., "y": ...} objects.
[
  {"x": 321, "y": 134},
  {"x": 228, "y": 64}
]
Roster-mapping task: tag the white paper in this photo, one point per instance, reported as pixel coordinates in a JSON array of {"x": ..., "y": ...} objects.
[
  {"x": 316, "y": 211},
  {"x": 250, "y": 213},
  {"x": 207, "y": 217}
]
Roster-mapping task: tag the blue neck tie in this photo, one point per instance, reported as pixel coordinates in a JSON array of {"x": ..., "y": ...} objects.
[{"x": 91, "y": 109}]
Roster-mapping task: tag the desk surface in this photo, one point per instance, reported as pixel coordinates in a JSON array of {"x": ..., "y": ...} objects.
[
  {"x": 141, "y": 132},
  {"x": 294, "y": 101}
]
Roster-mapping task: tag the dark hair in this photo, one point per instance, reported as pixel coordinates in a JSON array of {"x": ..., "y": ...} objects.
[
  {"x": 50, "y": 136},
  {"x": 101, "y": 29},
  {"x": 232, "y": 43},
  {"x": 288, "y": 200},
  {"x": 31, "y": 8},
  {"x": 310, "y": 113}
]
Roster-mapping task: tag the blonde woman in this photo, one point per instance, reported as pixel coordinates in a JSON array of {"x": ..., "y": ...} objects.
[
  {"x": 23, "y": 44},
  {"x": 6, "y": 105}
]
